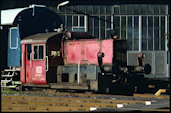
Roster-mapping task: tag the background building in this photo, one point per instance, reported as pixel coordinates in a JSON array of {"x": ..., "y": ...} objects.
[{"x": 98, "y": 17}]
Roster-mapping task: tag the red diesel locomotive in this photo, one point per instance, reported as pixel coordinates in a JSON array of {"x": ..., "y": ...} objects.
[{"x": 75, "y": 60}]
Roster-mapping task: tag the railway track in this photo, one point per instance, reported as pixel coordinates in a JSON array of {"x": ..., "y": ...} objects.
[{"x": 63, "y": 101}]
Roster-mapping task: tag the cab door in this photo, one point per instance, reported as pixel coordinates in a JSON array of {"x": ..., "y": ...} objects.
[
  {"x": 39, "y": 64},
  {"x": 26, "y": 63},
  {"x": 28, "y": 68}
]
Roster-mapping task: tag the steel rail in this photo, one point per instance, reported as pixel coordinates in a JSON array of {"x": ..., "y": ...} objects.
[
  {"x": 71, "y": 99},
  {"x": 72, "y": 103},
  {"x": 152, "y": 96}
]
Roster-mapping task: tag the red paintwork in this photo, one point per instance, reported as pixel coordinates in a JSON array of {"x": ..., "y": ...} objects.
[
  {"x": 79, "y": 50},
  {"x": 22, "y": 69},
  {"x": 28, "y": 68},
  {"x": 107, "y": 49},
  {"x": 73, "y": 51},
  {"x": 91, "y": 48},
  {"x": 34, "y": 70},
  {"x": 39, "y": 70}
]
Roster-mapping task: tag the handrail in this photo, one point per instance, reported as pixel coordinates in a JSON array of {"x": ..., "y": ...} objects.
[
  {"x": 30, "y": 60},
  {"x": 47, "y": 64},
  {"x": 22, "y": 60}
]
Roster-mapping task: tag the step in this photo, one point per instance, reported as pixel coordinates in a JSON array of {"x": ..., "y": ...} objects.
[
  {"x": 5, "y": 81},
  {"x": 7, "y": 70},
  {"x": 7, "y": 75},
  {"x": 68, "y": 86},
  {"x": 11, "y": 86}
]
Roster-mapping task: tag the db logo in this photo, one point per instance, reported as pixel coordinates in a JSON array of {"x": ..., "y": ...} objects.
[{"x": 38, "y": 69}]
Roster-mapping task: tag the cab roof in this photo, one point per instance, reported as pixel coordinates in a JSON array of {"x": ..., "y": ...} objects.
[{"x": 40, "y": 37}]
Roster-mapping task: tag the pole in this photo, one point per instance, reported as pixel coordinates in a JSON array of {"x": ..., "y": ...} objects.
[{"x": 140, "y": 33}]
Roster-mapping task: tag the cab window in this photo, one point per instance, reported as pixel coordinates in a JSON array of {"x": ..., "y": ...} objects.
[
  {"x": 28, "y": 51},
  {"x": 38, "y": 52}
]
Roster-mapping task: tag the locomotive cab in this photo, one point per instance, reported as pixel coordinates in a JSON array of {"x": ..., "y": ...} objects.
[{"x": 40, "y": 55}]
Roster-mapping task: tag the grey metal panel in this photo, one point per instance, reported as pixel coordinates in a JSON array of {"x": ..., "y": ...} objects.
[
  {"x": 132, "y": 58},
  {"x": 157, "y": 60},
  {"x": 160, "y": 62},
  {"x": 149, "y": 60},
  {"x": 90, "y": 71}
]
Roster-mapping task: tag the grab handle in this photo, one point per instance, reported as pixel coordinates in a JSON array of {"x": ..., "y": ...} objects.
[
  {"x": 30, "y": 60},
  {"x": 47, "y": 64}
]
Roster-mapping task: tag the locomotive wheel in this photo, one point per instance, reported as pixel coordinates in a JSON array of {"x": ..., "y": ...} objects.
[
  {"x": 129, "y": 90},
  {"x": 139, "y": 87},
  {"x": 107, "y": 90},
  {"x": 19, "y": 88},
  {"x": 22, "y": 88}
]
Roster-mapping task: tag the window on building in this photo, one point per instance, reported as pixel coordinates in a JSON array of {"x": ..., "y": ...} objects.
[
  {"x": 129, "y": 33},
  {"x": 108, "y": 9},
  {"x": 69, "y": 22},
  {"x": 123, "y": 9},
  {"x": 100, "y": 19},
  {"x": 79, "y": 23},
  {"x": 116, "y": 9},
  {"x": 102, "y": 9},
  {"x": 96, "y": 9},
  {"x": 123, "y": 27},
  {"x": 90, "y": 26},
  {"x": 162, "y": 34},
  {"x": 96, "y": 26},
  {"x": 100, "y": 26},
  {"x": 117, "y": 25},
  {"x": 108, "y": 26},
  {"x": 89, "y": 9},
  {"x": 144, "y": 33},
  {"x": 156, "y": 33},
  {"x": 150, "y": 33}
]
